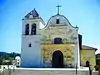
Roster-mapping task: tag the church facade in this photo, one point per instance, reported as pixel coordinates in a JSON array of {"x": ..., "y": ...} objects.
[{"x": 56, "y": 44}]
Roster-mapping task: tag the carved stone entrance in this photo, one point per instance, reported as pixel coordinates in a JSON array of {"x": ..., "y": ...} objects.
[{"x": 57, "y": 59}]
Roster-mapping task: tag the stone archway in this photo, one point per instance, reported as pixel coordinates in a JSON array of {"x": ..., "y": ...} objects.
[{"x": 57, "y": 59}]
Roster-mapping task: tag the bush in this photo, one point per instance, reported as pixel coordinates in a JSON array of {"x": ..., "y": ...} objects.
[{"x": 97, "y": 68}]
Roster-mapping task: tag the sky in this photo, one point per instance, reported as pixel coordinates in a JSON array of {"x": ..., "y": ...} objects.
[{"x": 83, "y": 13}]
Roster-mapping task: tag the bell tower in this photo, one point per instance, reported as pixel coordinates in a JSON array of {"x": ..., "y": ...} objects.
[{"x": 30, "y": 48}]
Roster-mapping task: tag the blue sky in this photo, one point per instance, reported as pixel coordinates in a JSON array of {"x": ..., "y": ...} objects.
[{"x": 83, "y": 13}]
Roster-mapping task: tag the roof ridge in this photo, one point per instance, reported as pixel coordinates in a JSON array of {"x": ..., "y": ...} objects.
[{"x": 32, "y": 14}]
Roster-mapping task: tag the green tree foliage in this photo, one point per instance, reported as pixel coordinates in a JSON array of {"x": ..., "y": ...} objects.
[{"x": 6, "y": 58}]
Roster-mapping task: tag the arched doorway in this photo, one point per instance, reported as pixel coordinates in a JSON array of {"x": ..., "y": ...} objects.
[{"x": 57, "y": 59}]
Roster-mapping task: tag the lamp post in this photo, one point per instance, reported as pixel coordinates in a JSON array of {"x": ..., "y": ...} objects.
[
  {"x": 90, "y": 70},
  {"x": 76, "y": 68}
]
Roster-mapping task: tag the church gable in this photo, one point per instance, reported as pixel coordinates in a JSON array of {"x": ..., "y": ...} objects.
[
  {"x": 59, "y": 35},
  {"x": 58, "y": 20},
  {"x": 58, "y": 26}
]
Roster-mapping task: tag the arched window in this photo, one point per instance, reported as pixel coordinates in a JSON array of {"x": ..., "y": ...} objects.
[
  {"x": 58, "y": 41},
  {"x": 33, "y": 29},
  {"x": 27, "y": 29},
  {"x": 30, "y": 45},
  {"x": 87, "y": 63},
  {"x": 57, "y": 21}
]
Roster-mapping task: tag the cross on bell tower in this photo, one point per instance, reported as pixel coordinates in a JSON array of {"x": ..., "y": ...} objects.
[{"x": 58, "y": 8}]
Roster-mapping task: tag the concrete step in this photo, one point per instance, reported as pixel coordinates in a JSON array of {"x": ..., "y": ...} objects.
[{"x": 50, "y": 72}]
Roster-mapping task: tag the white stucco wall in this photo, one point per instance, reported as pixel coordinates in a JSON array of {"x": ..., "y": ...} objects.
[
  {"x": 38, "y": 22},
  {"x": 31, "y": 56}
]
